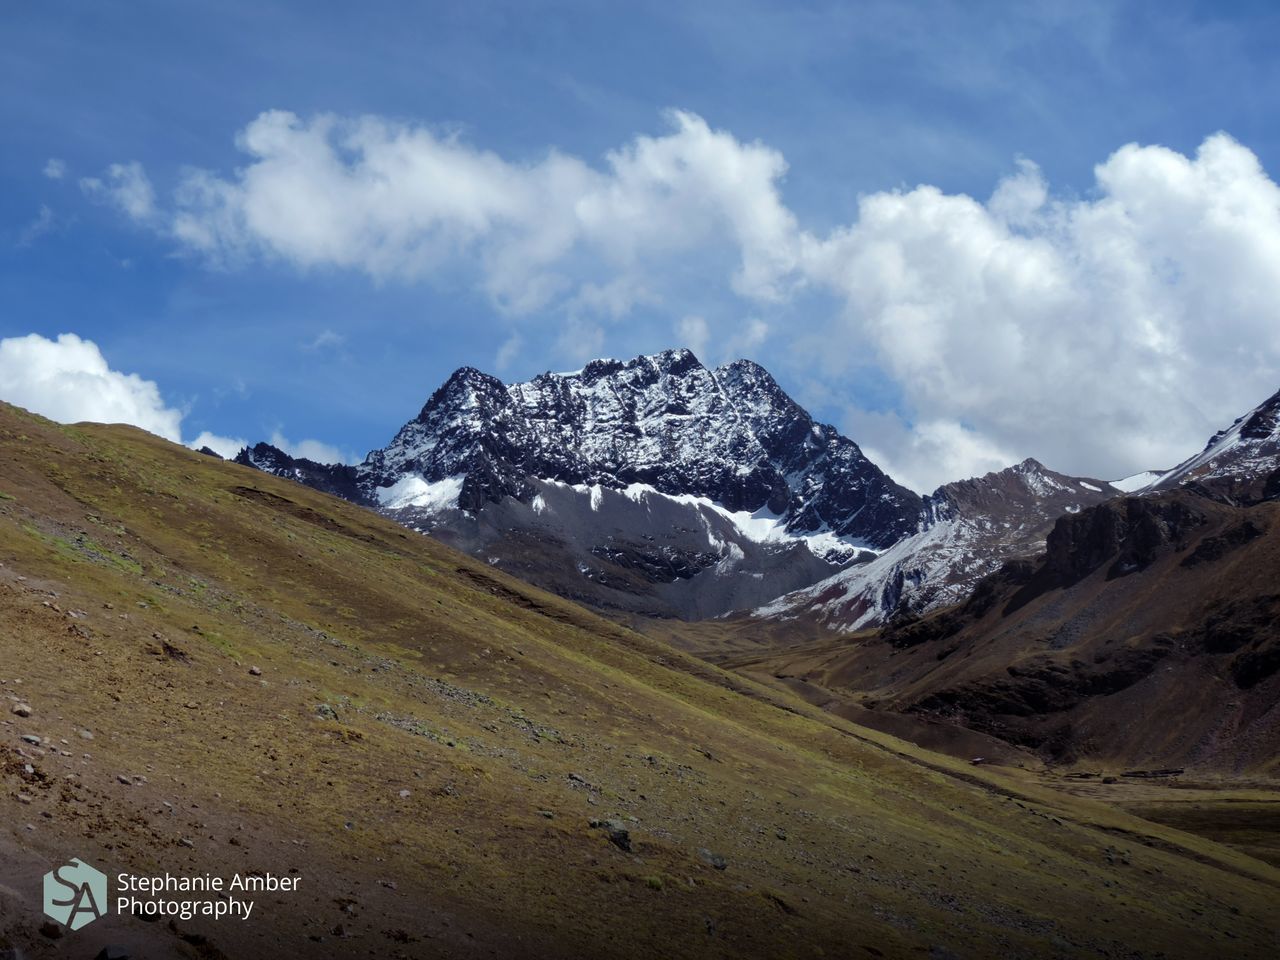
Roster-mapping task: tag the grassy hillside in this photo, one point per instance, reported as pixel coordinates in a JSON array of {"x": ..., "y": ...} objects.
[{"x": 230, "y": 672}]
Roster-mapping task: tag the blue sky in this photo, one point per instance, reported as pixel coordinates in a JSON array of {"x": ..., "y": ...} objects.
[{"x": 874, "y": 315}]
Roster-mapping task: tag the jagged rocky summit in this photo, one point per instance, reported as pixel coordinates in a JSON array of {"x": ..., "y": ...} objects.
[{"x": 656, "y": 484}]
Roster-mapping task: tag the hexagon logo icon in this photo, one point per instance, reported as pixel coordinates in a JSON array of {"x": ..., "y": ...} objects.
[{"x": 75, "y": 894}]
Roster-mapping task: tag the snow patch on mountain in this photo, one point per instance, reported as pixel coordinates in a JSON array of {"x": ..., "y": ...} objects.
[
  {"x": 413, "y": 491},
  {"x": 765, "y": 526},
  {"x": 1138, "y": 482},
  {"x": 861, "y": 596},
  {"x": 970, "y": 528}
]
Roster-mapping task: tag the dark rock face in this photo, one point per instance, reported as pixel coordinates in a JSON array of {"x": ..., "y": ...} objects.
[
  {"x": 1264, "y": 422},
  {"x": 335, "y": 478},
  {"x": 1128, "y": 532}
]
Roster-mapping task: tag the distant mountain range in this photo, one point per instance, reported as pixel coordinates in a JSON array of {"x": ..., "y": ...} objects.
[
  {"x": 971, "y": 528},
  {"x": 663, "y": 487},
  {"x": 1241, "y": 462}
]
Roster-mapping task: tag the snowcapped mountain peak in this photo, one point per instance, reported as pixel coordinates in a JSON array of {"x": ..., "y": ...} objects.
[
  {"x": 467, "y": 387},
  {"x": 729, "y": 435},
  {"x": 1029, "y": 484},
  {"x": 646, "y": 472}
]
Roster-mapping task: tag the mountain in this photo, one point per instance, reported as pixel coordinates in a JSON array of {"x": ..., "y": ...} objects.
[
  {"x": 1240, "y": 463},
  {"x": 655, "y": 485},
  {"x": 971, "y": 528},
  {"x": 208, "y": 670},
  {"x": 1145, "y": 635}
]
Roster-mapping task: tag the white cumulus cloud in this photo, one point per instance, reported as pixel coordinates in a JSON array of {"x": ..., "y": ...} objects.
[
  {"x": 402, "y": 201},
  {"x": 225, "y": 447},
  {"x": 68, "y": 380},
  {"x": 1103, "y": 335}
]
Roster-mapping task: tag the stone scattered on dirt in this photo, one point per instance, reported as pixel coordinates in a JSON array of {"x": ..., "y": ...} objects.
[
  {"x": 616, "y": 831},
  {"x": 712, "y": 859},
  {"x": 21, "y": 709},
  {"x": 255, "y": 671}
]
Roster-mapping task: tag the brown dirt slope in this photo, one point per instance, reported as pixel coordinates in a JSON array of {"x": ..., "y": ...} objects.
[{"x": 424, "y": 742}]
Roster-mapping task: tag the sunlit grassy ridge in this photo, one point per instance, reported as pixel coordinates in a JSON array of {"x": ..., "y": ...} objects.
[{"x": 512, "y": 719}]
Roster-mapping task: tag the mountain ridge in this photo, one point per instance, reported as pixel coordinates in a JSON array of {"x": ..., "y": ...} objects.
[
  {"x": 959, "y": 546},
  {"x": 974, "y": 526},
  {"x": 730, "y": 435}
]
